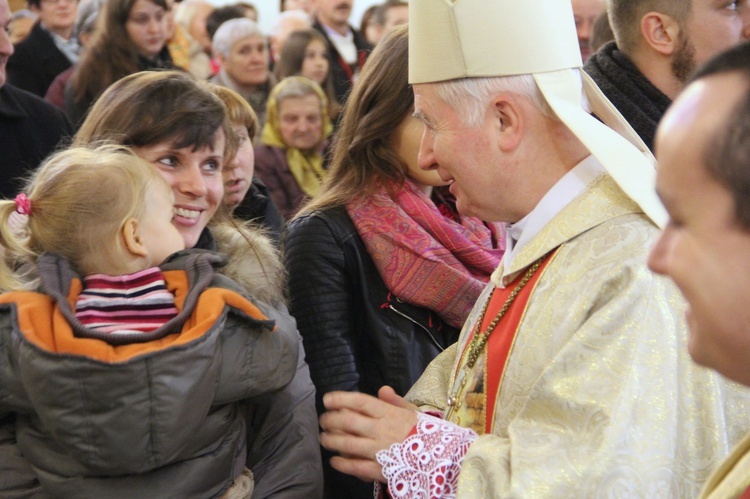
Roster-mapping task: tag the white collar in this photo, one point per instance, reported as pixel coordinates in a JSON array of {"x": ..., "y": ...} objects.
[{"x": 569, "y": 187}]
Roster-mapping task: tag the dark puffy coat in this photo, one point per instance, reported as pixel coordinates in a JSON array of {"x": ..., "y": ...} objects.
[{"x": 165, "y": 418}]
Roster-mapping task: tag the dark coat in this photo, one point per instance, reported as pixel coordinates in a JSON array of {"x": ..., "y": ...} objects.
[
  {"x": 30, "y": 129},
  {"x": 258, "y": 207},
  {"x": 36, "y": 62},
  {"x": 342, "y": 80},
  {"x": 357, "y": 335},
  {"x": 272, "y": 168},
  {"x": 169, "y": 421}
]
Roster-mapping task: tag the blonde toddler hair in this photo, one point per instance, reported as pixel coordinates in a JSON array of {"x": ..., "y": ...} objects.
[{"x": 79, "y": 201}]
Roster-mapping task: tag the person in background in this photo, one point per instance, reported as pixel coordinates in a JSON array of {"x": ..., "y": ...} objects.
[
  {"x": 192, "y": 15},
  {"x": 251, "y": 12},
  {"x": 21, "y": 23},
  {"x": 389, "y": 14},
  {"x": 181, "y": 128},
  {"x": 657, "y": 45},
  {"x": 132, "y": 38},
  {"x": 48, "y": 50},
  {"x": 242, "y": 53},
  {"x": 369, "y": 26},
  {"x": 382, "y": 269},
  {"x": 187, "y": 52},
  {"x": 702, "y": 145},
  {"x": 348, "y": 48},
  {"x": 30, "y": 128},
  {"x": 570, "y": 377},
  {"x": 154, "y": 436},
  {"x": 88, "y": 14},
  {"x": 220, "y": 15},
  {"x": 585, "y": 13},
  {"x": 305, "y": 5},
  {"x": 306, "y": 54},
  {"x": 289, "y": 159},
  {"x": 286, "y": 23},
  {"x": 245, "y": 195}
]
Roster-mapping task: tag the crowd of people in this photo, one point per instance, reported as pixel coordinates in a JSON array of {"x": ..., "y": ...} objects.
[{"x": 470, "y": 249}]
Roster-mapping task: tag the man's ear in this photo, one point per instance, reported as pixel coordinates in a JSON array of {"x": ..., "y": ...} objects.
[
  {"x": 132, "y": 238},
  {"x": 660, "y": 32},
  {"x": 508, "y": 114}
]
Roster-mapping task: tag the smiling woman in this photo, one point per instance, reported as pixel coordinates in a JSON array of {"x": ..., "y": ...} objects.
[
  {"x": 182, "y": 129},
  {"x": 132, "y": 38}
]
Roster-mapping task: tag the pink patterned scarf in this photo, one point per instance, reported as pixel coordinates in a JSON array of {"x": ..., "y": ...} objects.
[{"x": 424, "y": 257}]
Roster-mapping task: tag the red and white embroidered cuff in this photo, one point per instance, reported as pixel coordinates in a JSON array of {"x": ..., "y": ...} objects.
[{"x": 427, "y": 464}]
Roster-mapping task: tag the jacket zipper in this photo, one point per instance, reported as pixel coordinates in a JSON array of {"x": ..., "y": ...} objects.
[{"x": 429, "y": 333}]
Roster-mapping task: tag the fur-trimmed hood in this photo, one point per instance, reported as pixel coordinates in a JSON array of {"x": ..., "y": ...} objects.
[{"x": 254, "y": 261}]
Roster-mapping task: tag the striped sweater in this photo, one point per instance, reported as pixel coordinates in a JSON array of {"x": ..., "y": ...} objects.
[{"x": 129, "y": 303}]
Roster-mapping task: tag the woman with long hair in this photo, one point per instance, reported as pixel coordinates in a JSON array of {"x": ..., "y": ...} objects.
[
  {"x": 382, "y": 269},
  {"x": 305, "y": 53},
  {"x": 131, "y": 36}
]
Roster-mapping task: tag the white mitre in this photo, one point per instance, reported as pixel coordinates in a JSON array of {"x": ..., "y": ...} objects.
[{"x": 451, "y": 39}]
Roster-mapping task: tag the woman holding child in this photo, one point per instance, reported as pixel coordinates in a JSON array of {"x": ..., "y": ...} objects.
[{"x": 180, "y": 129}]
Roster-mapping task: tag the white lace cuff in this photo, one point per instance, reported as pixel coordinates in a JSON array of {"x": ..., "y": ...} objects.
[{"x": 426, "y": 464}]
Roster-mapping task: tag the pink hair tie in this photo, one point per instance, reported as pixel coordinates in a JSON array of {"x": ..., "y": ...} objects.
[{"x": 23, "y": 204}]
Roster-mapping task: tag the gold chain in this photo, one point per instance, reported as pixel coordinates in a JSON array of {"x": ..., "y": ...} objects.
[{"x": 480, "y": 338}]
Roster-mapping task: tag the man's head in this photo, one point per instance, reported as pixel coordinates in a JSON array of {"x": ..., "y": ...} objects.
[
  {"x": 333, "y": 13},
  {"x": 385, "y": 16},
  {"x": 492, "y": 149},
  {"x": 503, "y": 108},
  {"x": 673, "y": 37},
  {"x": 6, "y": 47},
  {"x": 58, "y": 16},
  {"x": 585, "y": 13},
  {"x": 703, "y": 147}
]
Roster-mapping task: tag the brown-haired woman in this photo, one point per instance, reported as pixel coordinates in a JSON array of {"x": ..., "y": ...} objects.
[
  {"x": 382, "y": 269},
  {"x": 177, "y": 125},
  {"x": 130, "y": 37},
  {"x": 305, "y": 53}
]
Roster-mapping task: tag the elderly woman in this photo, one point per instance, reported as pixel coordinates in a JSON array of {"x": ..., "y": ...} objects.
[
  {"x": 240, "y": 48},
  {"x": 290, "y": 158},
  {"x": 181, "y": 128}
]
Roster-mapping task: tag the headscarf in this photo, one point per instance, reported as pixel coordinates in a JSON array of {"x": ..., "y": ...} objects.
[{"x": 306, "y": 166}]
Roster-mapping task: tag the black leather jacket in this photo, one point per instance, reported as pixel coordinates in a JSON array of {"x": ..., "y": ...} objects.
[{"x": 357, "y": 335}]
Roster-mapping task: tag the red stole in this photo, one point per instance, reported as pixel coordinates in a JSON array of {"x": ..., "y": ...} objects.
[{"x": 500, "y": 342}]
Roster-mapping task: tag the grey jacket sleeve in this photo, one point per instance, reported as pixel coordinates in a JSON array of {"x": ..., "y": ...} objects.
[{"x": 283, "y": 443}]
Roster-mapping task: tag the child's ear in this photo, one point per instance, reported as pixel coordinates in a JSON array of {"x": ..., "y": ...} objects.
[{"x": 132, "y": 239}]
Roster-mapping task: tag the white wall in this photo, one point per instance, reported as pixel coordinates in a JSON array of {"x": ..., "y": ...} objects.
[{"x": 269, "y": 9}]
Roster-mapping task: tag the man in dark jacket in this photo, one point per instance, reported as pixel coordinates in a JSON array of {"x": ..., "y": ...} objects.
[
  {"x": 657, "y": 45},
  {"x": 48, "y": 50},
  {"x": 348, "y": 48},
  {"x": 30, "y": 128}
]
